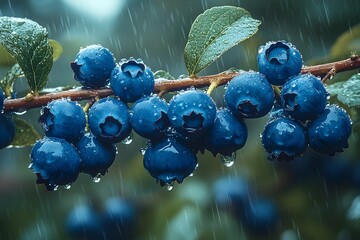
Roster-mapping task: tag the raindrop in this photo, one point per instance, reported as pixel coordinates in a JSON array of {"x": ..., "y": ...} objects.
[
  {"x": 30, "y": 165},
  {"x": 67, "y": 186},
  {"x": 97, "y": 178},
  {"x": 127, "y": 140},
  {"x": 228, "y": 161},
  {"x": 169, "y": 187},
  {"x": 142, "y": 151}
]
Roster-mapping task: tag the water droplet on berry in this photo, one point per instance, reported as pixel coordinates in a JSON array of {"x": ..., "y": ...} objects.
[
  {"x": 142, "y": 151},
  {"x": 191, "y": 174},
  {"x": 169, "y": 187},
  {"x": 30, "y": 165},
  {"x": 97, "y": 178},
  {"x": 19, "y": 113},
  {"x": 67, "y": 186},
  {"x": 228, "y": 161},
  {"x": 55, "y": 187},
  {"x": 127, "y": 140}
]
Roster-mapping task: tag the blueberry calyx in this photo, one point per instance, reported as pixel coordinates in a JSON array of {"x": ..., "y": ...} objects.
[
  {"x": 133, "y": 68},
  {"x": 290, "y": 101},
  {"x": 193, "y": 122},
  {"x": 277, "y": 53},
  {"x": 247, "y": 108},
  {"x": 110, "y": 127}
]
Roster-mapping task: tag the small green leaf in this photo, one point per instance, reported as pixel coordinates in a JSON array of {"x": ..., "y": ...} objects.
[
  {"x": 214, "y": 32},
  {"x": 163, "y": 74},
  {"x": 25, "y": 134},
  {"x": 28, "y": 43},
  {"x": 7, "y": 82},
  {"x": 347, "y": 92},
  {"x": 57, "y": 49}
]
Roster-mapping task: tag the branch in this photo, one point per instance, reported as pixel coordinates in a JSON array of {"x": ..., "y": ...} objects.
[{"x": 164, "y": 86}]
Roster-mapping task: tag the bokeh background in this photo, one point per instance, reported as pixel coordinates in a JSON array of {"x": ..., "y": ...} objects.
[{"x": 313, "y": 197}]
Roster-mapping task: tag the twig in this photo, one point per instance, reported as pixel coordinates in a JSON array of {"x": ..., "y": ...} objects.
[{"x": 164, "y": 86}]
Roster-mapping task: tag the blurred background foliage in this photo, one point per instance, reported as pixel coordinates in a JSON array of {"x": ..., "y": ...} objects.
[{"x": 314, "y": 197}]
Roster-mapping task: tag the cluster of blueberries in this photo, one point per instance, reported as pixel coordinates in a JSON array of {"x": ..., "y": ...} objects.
[{"x": 189, "y": 123}]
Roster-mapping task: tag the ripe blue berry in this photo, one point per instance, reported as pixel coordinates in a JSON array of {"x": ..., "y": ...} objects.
[
  {"x": 283, "y": 139},
  {"x": 278, "y": 61},
  {"x": 55, "y": 162},
  {"x": 96, "y": 156},
  {"x": 119, "y": 219},
  {"x": 249, "y": 95},
  {"x": 2, "y": 98},
  {"x": 63, "y": 119},
  {"x": 329, "y": 133},
  {"x": 149, "y": 117},
  {"x": 109, "y": 120},
  {"x": 7, "y": 130},
  {"x": 192, "y": 112},
  {"x": 167, "y": 161},
  {"x": 93, "y": 65},
  {"x": 132, "y": 80},
  {"x": 227, "y": 135},
  {"x": 304, "y": 97},
  {"x": 84, "y": 223}
]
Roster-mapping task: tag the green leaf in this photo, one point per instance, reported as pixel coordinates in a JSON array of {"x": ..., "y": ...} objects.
[
  {"x": 25, "y": 134},
  {"x": 163, "y": 74},
  {"x": 7, "y": 82},
  {"x": 214, "y": 32},
  {"x": 57, "y": 49},
  {"x": 28, "y": 43},
  {"x": 347, "y": 92},
  {"x": 347, "y": 43}
]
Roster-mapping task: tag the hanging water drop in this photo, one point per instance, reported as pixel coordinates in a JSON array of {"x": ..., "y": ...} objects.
[
  {"x": 97, "y": 178},
  {"x": 55, "y": 187},
  {"x": 30, "y": 165},
  {"x": 67, "y": 186},
  {"x": 127, "y": 140},
  {"x": 169, "y": 187},
  {"x": 191, "y": 174},
  {"x": 142, "y": 151},
  {"x": 228, "y": 161}
]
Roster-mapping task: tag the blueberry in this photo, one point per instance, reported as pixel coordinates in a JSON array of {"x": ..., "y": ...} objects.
[
  {"x": 55, "y": 162},
  {"x": 132, "y": 80},
  {"x": 231, "y": 193},
  {"x": 63, "y": 119},
  {"x": 329, "y": 133},
  {"x": 227, "y": 135},
  {"x": 192, "y": 112},
  {"x": 283, "y": 139},
  {"x": 167, "y": 161},
  {"x": 2, "y": 98},
  {"x": 109, "y": 120},
  {"x": 96, "y": 156},
  {"x": 93, "y": 65},
  {"x": 304, "y": 97},
  {"x": 149, "y": 117},
  {"x": 260, "y": 216},
  {"x": 83, "y": 222},
  {"x": 278, "y": 61},
  {"x": 7, "y": 130},
  {"x": 119, "y": 219},
  {"x": 249, "y": 95}
]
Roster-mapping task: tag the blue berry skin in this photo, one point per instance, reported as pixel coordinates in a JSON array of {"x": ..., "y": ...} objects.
[
  {"x": 283, "y": 139},
  {"x": 167, "y": 161},
  {"x": 119, "y": 219},
  {"x": 260, "y": 216},
  {"x": 93, "y": 65},
  {"x": 7, "y": 130},
  {"x": 329, "y": 133},
  {"x": 192, "y": 112},
  {"x": 109, "y": 120},
  {"x": 63, "y": 119},
  {"x": 149, "y": 118},
  {"x": 249, "y": 95},
  {"x": 227, "y": 135},
  {"x": 55, "y": 162},
  {"x": 2, "y": 98},
  {"x": 96, "y": 156},
  {"x": 83, "y": 222},
  {"x": 132, "y": 80},
  {"x": 304, "y": 97},
  {"x": 278, "y": 61}
]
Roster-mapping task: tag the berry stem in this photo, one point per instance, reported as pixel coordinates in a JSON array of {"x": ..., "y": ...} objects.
[{"x": 165, "y": 86}]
